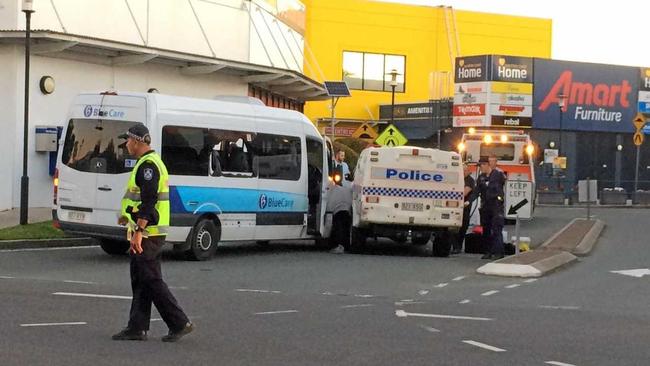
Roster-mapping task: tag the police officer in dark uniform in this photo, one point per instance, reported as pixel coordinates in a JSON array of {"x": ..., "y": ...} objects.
[
  {"x": 480, "y": 191},
  {"x": 493, "y": 208},
  {"x": 145, "y": 212},
  {"x": 469, "y": 198}
]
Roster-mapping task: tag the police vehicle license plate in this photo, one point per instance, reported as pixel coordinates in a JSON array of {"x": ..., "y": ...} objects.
[
  {"x": 76, "y": 216},
  {"x": 412, "y": 206}
]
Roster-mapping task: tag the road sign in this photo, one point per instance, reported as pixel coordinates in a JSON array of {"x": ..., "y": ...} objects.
[
  {"x": 639, "y": 121},
  {"x": 638, "y": 138},
  {"x": 365, "y": 131},
  {"x": 519, "y": 199},
  {"x": 391, "y": 137}
]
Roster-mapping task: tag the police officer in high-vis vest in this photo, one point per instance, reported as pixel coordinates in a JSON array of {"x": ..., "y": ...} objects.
[{"x": 145, "y": 212}]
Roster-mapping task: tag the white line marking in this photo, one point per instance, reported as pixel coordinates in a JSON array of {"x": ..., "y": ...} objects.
[
  {"x": 466, "y": 301},
  {"x": 356, "y": 306},
  {"x": 459, "y": 278},
  {"x": 423, "y": 292},
  {"x": 92, "y": 295},
  {"x": 277, "y": 312},
  {"x": 490, "y": 293},
  {"x": 327, "y": 293},
  {"x": 7, "y": 277},
  {"x": 402, "y": 303},
  {"x": 514, "y": 285},
  {"x": 81, "y": 282},
  {"x": 429, "y": 329},
  {"x": 441, "y": 285},
  {"x": 178, "y": 287},
  {"x": 484, "y": 346},
  {"x": 558, "y": 363},
  {"x": 404, "y": 314},
  {"x": 52, "y": 324},
  {"x": 364, "y": 296},
  {"x": 531, "y": 280},
  {"x": 407, "y": 300},
  {"x": 260, "y": 291},
  {"x": 560, "y": 307},
  {"x": 46, "y": 249}
]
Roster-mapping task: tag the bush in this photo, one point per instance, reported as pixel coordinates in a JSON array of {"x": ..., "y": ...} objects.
[{"x": 355, "y": 144}]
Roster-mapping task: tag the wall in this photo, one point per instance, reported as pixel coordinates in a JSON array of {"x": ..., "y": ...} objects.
[{"x": 418, "y": 32}]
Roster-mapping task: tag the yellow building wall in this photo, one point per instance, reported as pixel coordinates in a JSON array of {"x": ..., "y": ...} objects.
[{"x": 417, "y": 32}]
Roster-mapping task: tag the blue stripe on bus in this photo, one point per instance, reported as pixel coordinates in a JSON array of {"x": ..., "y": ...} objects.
[{"x": 234, "y": 200}]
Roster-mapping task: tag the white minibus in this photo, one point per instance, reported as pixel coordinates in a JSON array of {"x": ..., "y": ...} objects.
[{"x": 239, "y": 171}]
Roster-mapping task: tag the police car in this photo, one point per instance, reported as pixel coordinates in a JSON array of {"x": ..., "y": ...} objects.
[{"x": 405, "y": 190}]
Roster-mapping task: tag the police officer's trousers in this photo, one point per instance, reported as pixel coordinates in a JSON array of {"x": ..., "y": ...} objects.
[
  {"x": 496, "y": 222},
  {"x": 148, "y": 287}
]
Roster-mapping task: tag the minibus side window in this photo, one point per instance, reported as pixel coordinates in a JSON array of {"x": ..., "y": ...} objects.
[
  {"x": 278, "y": 156},
  {"x": 180, "y": 150}
]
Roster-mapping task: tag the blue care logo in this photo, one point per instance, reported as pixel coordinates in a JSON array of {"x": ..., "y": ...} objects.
[
  {"x": 92, "y": 111},
  {"x": 263, "y": 201},
  {"x": 413, "y": 175}
]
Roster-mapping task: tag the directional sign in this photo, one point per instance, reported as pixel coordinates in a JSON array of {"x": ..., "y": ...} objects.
[
  {"x": 519, "y": 199},
  {"x": 365, "y": 131},
  {"x": 638, "y": 273},
  {"x": 639, "y": 121},
  {"x": 391, "y": 137},
  {"x": 638, "y": 138}
]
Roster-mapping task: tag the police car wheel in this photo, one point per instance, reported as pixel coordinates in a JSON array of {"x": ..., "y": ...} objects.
[
  {"x": 441, "y": 244},
  {"x": 203, "y": 243},
  {"x": 114, "y": 247},
  {"x": 421, "y": 239}
]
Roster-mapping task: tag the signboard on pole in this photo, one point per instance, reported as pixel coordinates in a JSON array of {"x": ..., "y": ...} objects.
[
  {"x": 519, "y": 199},
  {"x": 391, "y": 137}
]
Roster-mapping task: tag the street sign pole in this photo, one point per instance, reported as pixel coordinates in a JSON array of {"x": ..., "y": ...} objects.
[
  {"x": 636, "y": 168},
  {"x": 517, "y": 234}
]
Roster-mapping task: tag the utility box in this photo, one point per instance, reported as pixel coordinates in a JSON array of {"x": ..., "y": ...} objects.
[{"x": 46, "y": 138}]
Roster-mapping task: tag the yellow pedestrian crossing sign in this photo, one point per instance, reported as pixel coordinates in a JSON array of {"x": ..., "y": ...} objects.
[
  {"x": 365, "y": 131},
  {"x": 391, "y": 137}
]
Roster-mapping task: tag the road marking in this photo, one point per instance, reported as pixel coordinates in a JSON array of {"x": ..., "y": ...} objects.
[
  {"x": 466, "y": 301},
  {"x": 638, "y": 273},
  {"x": 178, "y": 288},
  {"x": 558, "y": 363},
  {"x": 514, "y": 285},
  {"x": 559, "y": 307},
  {"x": 92, "y": 295},
  {"x": 490, "y": 293},
  {"x": 441, "y": 285},
  {"x": 7, "y": 277},
  {"x": 402, "y": 303},
  {"x": 459, "y": 278},
  {"x": 531, "y": 280},
  {"x": 52, "y": 324},
  {"x": 81, "y": 282},
  {"x": 277, "y": 312},
  {"x": 327, "y": 293},
  {"x": 364, "y": 296},
  {"x": 46, "y": 249},
  {"x": 484, "y": 346},
  {"x": 260, "y": 291},
  {"x": 423, "y": 292},
  {"x": 404, "y": 314},
  {"x": 356, "y": 306},
  {"x": 429, "y": 329}
]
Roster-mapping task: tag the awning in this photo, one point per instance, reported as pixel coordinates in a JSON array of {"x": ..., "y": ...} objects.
[{"x": 289, "y": 83}]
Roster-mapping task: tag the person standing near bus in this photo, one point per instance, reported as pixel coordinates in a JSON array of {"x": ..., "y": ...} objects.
[
  {"x": 494, "y": 208},
  {"x": 146, "y": 211},
  {"x": 469, "y": 197},
  {"x": 339, "y": 158}
]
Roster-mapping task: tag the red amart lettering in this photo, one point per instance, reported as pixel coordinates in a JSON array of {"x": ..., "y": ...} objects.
[{"x": 601, "y": 95}]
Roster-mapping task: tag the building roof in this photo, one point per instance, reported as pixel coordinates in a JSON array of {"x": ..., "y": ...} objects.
[{"x": 289, "y": 83}]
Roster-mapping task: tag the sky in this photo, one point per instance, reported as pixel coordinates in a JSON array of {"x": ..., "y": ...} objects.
[{"x": 600, "y": 31}]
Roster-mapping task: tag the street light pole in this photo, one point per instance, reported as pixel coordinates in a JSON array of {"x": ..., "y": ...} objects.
[
  {"x": 561, "y": 103},
  {"x": 393, "y": 84},
  {"x": 28, "y": 9}
]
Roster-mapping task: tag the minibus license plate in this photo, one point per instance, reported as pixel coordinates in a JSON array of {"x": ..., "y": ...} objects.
[
  {"x": 412, "y": 206},
  {"x": 76, "y": 216}
]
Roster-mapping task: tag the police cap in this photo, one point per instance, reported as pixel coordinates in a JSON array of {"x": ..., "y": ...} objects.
[
  {"x": 139, "y": 132},
  {"x": 483, "y": 159}
]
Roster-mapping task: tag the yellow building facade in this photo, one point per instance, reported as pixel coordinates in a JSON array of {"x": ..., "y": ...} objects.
[{"x": 362, "y": 41}]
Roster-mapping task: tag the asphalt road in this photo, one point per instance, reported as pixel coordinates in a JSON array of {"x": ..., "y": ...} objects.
[{"x": 290, "y": 304}]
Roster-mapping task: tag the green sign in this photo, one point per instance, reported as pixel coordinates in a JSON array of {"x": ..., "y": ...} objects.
[{"x": 391, "y": 137}]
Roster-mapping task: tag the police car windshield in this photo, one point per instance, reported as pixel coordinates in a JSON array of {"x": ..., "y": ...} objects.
[
  {"x": 503, "y": 152},
  {"x": 94, "y": 146}
]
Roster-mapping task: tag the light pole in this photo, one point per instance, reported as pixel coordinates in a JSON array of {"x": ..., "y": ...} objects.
[
  {"x": 28, "y": 9},
  {"x": 562, "y": 104},
  {"x": 393, "y": 84}
]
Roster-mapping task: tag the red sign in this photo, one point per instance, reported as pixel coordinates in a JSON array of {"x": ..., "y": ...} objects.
[
  {"x": 461, "y": 110},
  {"x": 340, "y": 131}
]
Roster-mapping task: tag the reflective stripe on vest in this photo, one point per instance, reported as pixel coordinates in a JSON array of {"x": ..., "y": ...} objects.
[{"x": 132, "y": 196}]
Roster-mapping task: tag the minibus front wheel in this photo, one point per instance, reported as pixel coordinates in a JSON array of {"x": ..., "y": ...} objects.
[{"x": 203, "y": 240}]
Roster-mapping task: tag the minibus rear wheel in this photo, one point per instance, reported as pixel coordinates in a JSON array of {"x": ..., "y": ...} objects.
[
  {"x": 114, "y": 247},
  {"x": 203, "y": 240}
]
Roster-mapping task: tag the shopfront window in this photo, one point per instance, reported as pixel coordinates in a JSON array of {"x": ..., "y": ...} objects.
[{"x": 371, "y": 71}]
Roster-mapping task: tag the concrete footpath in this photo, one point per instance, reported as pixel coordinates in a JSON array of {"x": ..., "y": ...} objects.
[
  {"x": 577, "y": 238},
  {"x": 9, "y": 218}
]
